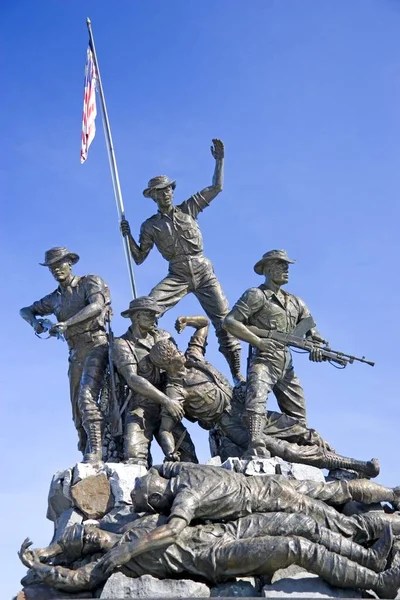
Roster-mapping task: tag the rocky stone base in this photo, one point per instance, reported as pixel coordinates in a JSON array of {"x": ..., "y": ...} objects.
[{"x": 83, "y": 493}]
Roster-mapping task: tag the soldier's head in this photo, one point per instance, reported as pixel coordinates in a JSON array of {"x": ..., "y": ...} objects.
[
  {"x": 143, "y": 312},
  {"x": 151, "y": 493},
  {"x": 59, "y": 261},
  {"x": 161, "y": 190},
  {"x": 165, "y": 355},
  {"x": 274, "y": 265}
]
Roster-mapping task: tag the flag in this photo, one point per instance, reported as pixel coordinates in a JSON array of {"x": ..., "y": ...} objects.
[{"x": 89, "y": 106}]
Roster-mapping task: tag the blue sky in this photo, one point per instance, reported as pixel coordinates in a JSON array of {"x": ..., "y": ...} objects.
[{"x": 305, "y": 95}]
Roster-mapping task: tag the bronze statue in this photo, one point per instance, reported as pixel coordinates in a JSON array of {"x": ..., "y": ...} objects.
[
  {"x": 175, "y": 232},
  {"x": 270, "y": 365},
  {"x": 130, "y": 357},
  {"x": 81, "y": 305},
  {"x": 257, "y": 544},
  {"x": 207, "y": 397},
  {"x": 188, "y": 492}
]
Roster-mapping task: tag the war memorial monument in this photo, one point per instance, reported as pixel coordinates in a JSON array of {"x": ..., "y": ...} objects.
[{"x": 260, "y": 518}]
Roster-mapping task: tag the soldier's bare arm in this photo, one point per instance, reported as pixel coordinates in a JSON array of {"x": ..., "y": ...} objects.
[
  {"x": 198, "y": 341},
  {"x": 139, "y": 251},
  {"x": 233, "y": 323},
  {"x": 29, "y": 315},
  {"x": 70, "y": 580},
  {"x": 218, "y": 152},
  {"x": 141, "y": 386},
  {"x": 159, "y": 538}
]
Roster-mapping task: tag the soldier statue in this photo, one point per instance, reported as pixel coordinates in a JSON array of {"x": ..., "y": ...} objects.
[
  {"x": 208, "y": 398},
  {"x": 188, "y": 492},
  {"x": 257, "y": 544},
  {"x": 81, "y": 305},
  {"x": 176, "y": 234},
  {"x": 130, "y": 357},
  {"x": 270, "y": 365}
]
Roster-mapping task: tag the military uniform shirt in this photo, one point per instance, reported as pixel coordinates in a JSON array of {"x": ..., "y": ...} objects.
[
  {"x": 129, "y": 350},
  {"x": 176, "y": 234},
  {"x": 266, "y": 309},
  {"x": 67, "y": 302}
]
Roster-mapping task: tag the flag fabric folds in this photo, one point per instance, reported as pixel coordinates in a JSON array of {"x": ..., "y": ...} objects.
[{"x": 89, "y": 105}]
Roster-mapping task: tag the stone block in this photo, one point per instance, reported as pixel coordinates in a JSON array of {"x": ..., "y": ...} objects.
[
  {"x": 83, "y": 470},
  {"x": 119, "y": 586},
  {"x": 67, "y": 518},
  {"x": 341, "y": 475},
  {"x": 235, "y": 589},
  {"x": 306, "y": 585},
  {"x": 92, "y": 496},
  {"x": 59, "y": 498},
  {"x": 302, "y": 472},
  {"x": 122, "y": 479},
  {"x": 215, "y": 461},
  {"x": 267, "y": 466}
]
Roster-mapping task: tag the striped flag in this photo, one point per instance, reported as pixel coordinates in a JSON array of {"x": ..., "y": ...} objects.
[{"x": 89, "y": 106}]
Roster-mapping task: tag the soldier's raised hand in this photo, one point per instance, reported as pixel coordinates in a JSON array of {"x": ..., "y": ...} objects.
[
  {"x": 217, "y": 149},
  {"x": 180, "y": 324},
  {"x": 125, "y": 228},
  {"x": 27, "y": 557}
]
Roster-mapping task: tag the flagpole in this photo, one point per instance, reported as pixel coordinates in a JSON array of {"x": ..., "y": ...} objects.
[{"x": 112, "y": 159}]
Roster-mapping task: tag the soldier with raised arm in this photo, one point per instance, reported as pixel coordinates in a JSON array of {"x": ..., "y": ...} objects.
[
  {"x": 176, "y": 234},
  {"x": 208, "y": 398},
  {"x": 270, "y": 366},
  {"x": 81, "y": 305}
]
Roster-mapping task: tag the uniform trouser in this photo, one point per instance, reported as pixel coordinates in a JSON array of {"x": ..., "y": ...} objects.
[
  {"x": 313, "y": 455},
  {"x": 340, "y": 492},
  {"x": 254, "y": 545},
  {"x": 142, "y": 424},
  {"x": 199, "y": 278},
  {"x": 277, "y": 375},
  {"x": 274, "y": 493},
  {"x": 87, "y": 364},
  {"x": 266, "y": 555}
]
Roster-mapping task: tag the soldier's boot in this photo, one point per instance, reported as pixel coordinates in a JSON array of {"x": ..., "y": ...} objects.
[
  {"x": 373, "y": 558},
  {"x": 344, "y": 573},
  {"x": 368, "y": 468},
  {"x": 94, "y": 455},
  {"x": 82, "y": 439},
  {"x": 233, "y": 359},
  {"x": 255, "y": 426}
]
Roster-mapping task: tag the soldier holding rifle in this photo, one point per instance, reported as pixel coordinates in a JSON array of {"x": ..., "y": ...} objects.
[{"x": 270, "y": 319}]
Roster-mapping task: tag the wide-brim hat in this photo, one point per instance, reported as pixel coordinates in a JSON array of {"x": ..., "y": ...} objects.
[
  {"x": 158, "y": 183},
  {"x": 54, "y": 255},
  {"x": 142, "y": 303},
  {"x": 271, "y": 255}
]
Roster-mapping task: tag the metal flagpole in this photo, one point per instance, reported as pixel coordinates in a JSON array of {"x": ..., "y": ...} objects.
[{"x": 111, "y": 158}]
